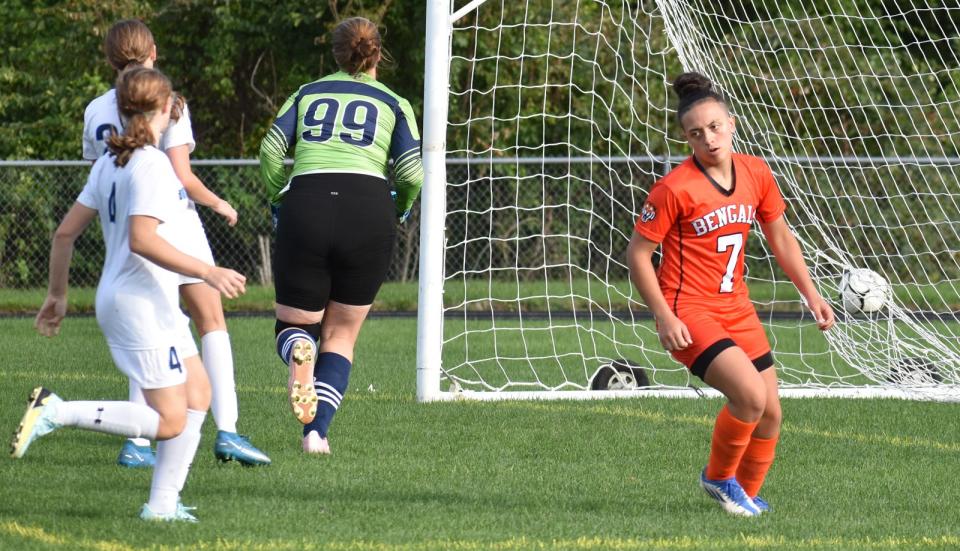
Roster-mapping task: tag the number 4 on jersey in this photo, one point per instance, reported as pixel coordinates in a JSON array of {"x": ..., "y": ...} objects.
[{"x": 175, "y": 360}]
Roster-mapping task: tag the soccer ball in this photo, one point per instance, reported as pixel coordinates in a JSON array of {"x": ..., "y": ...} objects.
[{"x": 863, "y": 290}]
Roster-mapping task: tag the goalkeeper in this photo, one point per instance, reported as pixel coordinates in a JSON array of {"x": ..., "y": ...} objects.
[
  {"x": 700, "y": 214},
  {"x": 336, "y": 217}
]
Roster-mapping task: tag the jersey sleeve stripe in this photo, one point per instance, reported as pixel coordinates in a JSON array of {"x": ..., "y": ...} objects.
[
  {"x": 272, "y": 150},
  {"x": 410, "y": 170},
  {"x": 404, "y": 156}
]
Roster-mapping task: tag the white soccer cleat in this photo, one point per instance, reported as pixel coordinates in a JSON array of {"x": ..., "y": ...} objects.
[
  {"x": 36, "y": 422},
  {"x": 312, "y": 443}
]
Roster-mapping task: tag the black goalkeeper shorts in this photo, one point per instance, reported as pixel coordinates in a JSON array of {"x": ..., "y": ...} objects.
[{"x": 335, "y": 238}]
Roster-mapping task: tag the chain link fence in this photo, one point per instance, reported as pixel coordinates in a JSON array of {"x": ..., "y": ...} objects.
[
  {"x": 34, "y": 196},
  {"x": 498, "y": 198},
  {"x": 506, "y": 218}
]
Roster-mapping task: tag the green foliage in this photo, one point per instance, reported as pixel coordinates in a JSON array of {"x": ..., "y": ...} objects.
[
  {"x": 32, "y": 201},
  {"x": 51, "y": 67},
  {"x": 797, "y": 90},
  {"x": 236, "y": 62}
]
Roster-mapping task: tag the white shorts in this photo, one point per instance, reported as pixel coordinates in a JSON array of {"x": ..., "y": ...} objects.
[
  {"x": 195, "y": 241},
  {"x": 158, "y": 367}
]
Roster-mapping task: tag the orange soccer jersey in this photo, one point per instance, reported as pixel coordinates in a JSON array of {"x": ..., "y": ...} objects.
[{"x": 703, "y": 230}]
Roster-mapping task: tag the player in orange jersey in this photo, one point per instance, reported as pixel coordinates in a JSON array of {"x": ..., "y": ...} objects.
[{"x": 700, "y": 216}]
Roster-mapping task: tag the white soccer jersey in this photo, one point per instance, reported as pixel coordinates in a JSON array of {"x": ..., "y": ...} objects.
[
  {"x": 179, "y": 132},
  {"x": 101, "y": 118},
  {"x": 137, "y": 301}
]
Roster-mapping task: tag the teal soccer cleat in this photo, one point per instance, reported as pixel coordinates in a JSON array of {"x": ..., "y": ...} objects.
[
  {"x": 36, "y": 422},
  {"x": 181, "y": 514},
  {"x": 133, "y": 456},
  {"x": 730, "y": 495},
  {"x": 231, "y": 446}
]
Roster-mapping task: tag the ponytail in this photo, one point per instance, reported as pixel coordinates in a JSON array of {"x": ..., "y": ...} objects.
[{"x": 141, "y": 94}]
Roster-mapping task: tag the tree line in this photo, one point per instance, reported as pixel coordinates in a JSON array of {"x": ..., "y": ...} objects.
[
  {"x": 235, "y": 62},
  {"x": 553, "y": 78}
]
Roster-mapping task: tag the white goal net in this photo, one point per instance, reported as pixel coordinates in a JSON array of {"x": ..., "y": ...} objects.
[{"x": 558, "y": 119}]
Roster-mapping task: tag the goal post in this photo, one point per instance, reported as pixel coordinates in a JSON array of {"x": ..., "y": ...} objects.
[
  {"x": 433, "y": 200},
  {"x": 546, "y": 122}
]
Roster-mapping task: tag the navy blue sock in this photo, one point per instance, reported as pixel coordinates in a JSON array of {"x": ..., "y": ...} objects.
[
  {"x": 285, "y": 342},
  {"x": 286, "y": 333},
  {"x": 331, "y": 374}
]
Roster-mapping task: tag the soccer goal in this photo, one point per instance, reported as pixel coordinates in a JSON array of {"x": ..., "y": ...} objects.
[{"x": 547, "y": 121}]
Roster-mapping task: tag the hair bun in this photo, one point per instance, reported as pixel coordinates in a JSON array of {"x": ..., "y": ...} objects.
[
  {"x": 356, "y": 45},
  {"x": 365, "y": 46},
  {"x": 688, "y": 84}
]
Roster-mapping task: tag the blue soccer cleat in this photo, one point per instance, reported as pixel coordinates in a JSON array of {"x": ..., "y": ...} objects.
[
  {"x": 36, "y": 422},
  {"x": 730, "y": 495},
  {"x": 181, "y": 514},
  {"x": 133, "y": 456},
  {"x": 231, "y": 446},
  {"x": 761, "y": 504}
]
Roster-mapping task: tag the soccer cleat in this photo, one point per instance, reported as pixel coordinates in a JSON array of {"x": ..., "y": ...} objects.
[
  {"x": 133, "y": 456},
  {"x": 730, "y": 495},
  {"x": 36, "y": 422},
  {"x": 231, "y": 446},
  {"x": 761, "y": 504},
  {"x": 312, "y": 443},
  {"x": 181, "y": 514},
  {"x": 303, "y": 397}
]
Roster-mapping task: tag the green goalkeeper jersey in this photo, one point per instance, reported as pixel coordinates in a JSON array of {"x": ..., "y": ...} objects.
[{"x": 345, "y": 124}]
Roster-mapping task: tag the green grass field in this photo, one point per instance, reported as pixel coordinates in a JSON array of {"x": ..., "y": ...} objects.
[
  {"x": 872, "y": 474},
  {"x": 482, "y": 294}
]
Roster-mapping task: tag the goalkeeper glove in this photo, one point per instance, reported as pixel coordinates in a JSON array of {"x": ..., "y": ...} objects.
[
  {"x": 402, "y": 217},
  {"x": 274, "y": 215}
]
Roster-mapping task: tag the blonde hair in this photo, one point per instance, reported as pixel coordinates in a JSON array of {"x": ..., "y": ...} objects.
[
  {"x": 141, "y": 94},
  {"x": 356, "y": 45},
  {"x": 128, "y": 42}
]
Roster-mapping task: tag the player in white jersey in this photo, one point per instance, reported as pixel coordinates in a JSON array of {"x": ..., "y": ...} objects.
[
  {"x": 127, "y": 43},
  {"x": 141, "y": 205}
]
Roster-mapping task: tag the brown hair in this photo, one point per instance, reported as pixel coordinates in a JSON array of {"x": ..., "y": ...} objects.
[
  {"x": 356, "y": 45},
  {"x": 692, "y": 88},
  {"x": 141, "y": 94},
  {"x": 128, "y": 42}
]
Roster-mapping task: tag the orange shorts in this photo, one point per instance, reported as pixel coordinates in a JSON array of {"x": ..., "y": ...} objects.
[{"x": 714, "y": 327}]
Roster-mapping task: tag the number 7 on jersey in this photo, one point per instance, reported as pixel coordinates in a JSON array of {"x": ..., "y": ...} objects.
[{"x": 725, "y": 242}]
